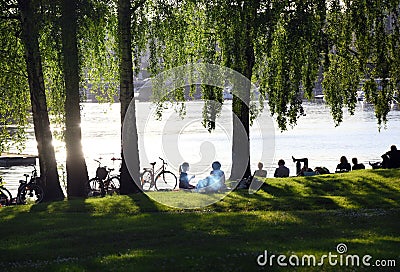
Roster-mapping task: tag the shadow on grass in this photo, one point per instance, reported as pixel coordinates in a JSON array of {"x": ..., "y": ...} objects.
[
  {"x": 363, "y": 189},
  {"x": 124, "y": 233},
  {"x": 193, "y": 241}
]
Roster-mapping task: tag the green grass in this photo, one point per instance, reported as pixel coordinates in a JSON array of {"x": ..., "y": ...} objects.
[{"x": 299, "y": 216}]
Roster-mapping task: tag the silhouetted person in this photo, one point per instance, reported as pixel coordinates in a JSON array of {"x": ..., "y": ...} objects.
[
  {"x": 344, "y": 165},
  {"x": 356, "y": 165},
  {"x": 391, "y": 159},
  {"x": 300, "y": 170},
  {"x": 282, "y": 171}
]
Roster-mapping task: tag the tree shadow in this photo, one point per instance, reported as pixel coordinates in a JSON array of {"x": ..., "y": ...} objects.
[{"x": 362, "y": 190}]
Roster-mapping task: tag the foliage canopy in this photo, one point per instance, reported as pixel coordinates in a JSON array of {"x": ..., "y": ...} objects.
[{"x": 354, "y": 44}]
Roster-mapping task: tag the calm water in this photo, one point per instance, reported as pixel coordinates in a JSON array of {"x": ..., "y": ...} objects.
[{"x": 178, "y": 140}]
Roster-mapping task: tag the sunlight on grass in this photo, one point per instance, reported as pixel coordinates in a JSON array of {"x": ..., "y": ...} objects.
[
  {"x": 305, "y": 215},
  {"x": 185, "y": 200},
  {"x": 123, "y": 257},
  {"x": 113, "y": 204},
  {"x": 277, "y": 217},
  {"x": 344, "y": 202}
]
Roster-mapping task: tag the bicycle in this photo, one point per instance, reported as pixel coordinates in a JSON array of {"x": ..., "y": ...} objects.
[
  {"x": 164, "y": 181},
  {"x": 5, "y": 195},
  {"x": 30, "y": 191},
  {"x": 103, "y": 183}
]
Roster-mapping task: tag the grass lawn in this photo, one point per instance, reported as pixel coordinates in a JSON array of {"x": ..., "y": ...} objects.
[{"x": 291, "y": 217}]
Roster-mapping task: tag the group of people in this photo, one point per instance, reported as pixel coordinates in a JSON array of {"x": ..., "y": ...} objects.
[
  {"x": 391, "y": 159},
  {"x": 344, "y": 165},
  {"x": 216, "y": 180},
  {"x": 213, "y": 183}
]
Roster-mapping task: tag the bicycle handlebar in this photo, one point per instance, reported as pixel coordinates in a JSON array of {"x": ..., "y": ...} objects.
[
  {"x": 116, "y": 159},
  {"x": 163, "y": 161}
]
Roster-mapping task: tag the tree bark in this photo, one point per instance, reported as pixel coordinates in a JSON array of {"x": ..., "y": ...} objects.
[
  {"x": 241, "y": 135},
  {"x": 43, "y": 135},
  {"x": 77, "y": 175},
  {"x": 241, "y": 105},
  {"x": 126, "y": 95}
]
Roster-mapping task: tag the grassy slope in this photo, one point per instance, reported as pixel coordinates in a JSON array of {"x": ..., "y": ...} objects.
[{"x": 132, "y": 233}]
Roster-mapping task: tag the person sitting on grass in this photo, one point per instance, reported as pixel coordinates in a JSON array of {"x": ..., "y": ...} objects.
[
  {"x": 356, "y": 165},
  {"x": 344, "y": 165},
  {"x": 214, "y": 182},
  {"x": 282, "y": 171},
  {"x": 391, "y": 159},
  {"x": 183, "y": 177},
  {"x": 260, "y": 172},
  {"x": 244, "y": 183}
]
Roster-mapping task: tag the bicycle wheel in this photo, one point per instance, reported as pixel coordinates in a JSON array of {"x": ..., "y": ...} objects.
[
  {"x": 30, "y": 194},
  {"x": 93, "y": 187},
  {"x": 166, "y": 181},
  {"x": 113, "y": 185},
  {"x": 145, "y": 180},
  {"x": 5, "y": 196}
]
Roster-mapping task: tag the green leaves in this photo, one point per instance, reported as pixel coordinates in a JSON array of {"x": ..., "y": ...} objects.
[
  {"x": 285, "y": 43},
  {"x": 289, "y": 69},
  {"x": 364, "y": 45},
  {"x": 14, "y": 93}
]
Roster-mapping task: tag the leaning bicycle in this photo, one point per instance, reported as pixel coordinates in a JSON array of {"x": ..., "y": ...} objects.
[
  {"x": 30, "y": 192},
  {"x": 104, "y": 183},
  {"x": 159, "y": 180}
]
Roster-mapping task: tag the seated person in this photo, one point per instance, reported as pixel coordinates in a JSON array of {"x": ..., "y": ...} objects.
[
  {"x": 391, "y": 159},
  {"x": 344, "y": 165},
  {"x": 356, "y": 165},
  {"x": 215, "y": 181},
  {"x": 183, "y": 177},
  {"x": 282, "y": 171},
  {"x": 260, "y": 172}
]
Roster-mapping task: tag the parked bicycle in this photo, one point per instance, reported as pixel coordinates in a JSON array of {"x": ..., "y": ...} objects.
[
  {"x": 5, "y": 195},
  {"x": 30, "y": 191},
  {"x": 104, "y": 183},
  {"x": 164, "y": 180}
]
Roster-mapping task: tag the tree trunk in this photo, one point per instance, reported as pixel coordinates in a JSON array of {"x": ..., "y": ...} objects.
[
  {"x": 47, "y": 159},
  {"x": 241, "y": 135},
  {"x": 241, "y": 105},
  {"x": 126, "y": 94},
  {"x": 77, "y": 175}
]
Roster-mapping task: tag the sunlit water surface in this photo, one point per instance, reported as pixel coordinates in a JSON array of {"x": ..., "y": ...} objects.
[{"x": 177, "y": 140}]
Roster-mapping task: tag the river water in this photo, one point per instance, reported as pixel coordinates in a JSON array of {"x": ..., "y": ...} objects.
[{"x": 177, "y": 140}]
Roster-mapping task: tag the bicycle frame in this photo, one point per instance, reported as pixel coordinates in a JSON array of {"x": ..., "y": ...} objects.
[
  {"x": 154, "y": 173},
  {"x": 34, "y": 182},
  {"x": 104, "y": 178},
  {"x": 157, "y": 178},
  {"x": 159, "y": 170}
]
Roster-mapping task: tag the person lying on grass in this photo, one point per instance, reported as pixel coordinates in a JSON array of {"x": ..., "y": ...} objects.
[{"x": 214, "y": 182}]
